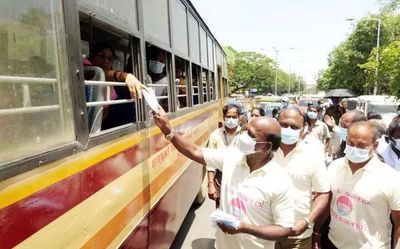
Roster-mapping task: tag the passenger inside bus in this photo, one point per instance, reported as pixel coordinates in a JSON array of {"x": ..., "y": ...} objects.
[
  {"x": 157, "y": 74},
  {"x": 102, "y": 55},
  {"x": 180, "y": 82}
]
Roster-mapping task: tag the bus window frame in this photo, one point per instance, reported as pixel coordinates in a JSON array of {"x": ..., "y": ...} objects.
[
  {"x": 188, "y": 82},
  {"x": 75, "y": 73},
  {"x": 135, "y": 50}
]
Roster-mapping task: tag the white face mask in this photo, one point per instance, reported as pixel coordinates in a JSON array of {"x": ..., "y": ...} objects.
[
  {"x": 312, "y": 115},
  {"x": 289, "y": 135},
  {"x": 231, "y": 122},
  {"x": 246, "y": 144},
  {"x": 342, "y": 133},
  {"x": 396, "y": 143},
  {"x": 156, "y": 67},
  {"x": 357, "y": 155}
]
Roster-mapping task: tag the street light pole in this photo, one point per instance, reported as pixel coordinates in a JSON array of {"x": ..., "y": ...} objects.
[
  {"x": 377, "y": 56},
  {"x": 276, "y": 71},
  {"x": 290, "y": 76}
]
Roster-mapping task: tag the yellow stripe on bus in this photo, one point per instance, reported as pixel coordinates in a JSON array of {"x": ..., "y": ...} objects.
[{"x": 64, "y": 168}]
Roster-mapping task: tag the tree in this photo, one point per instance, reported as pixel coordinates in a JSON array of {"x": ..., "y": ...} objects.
[
  {"x": 251, "y": 70},
  {"x": 352, "y": 64}
]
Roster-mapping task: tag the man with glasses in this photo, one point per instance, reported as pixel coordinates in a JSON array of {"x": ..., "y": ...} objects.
[
  {"x": 365, "y": 193},
  {"x": 306, "y": 167},
  {"x": 254, "y": 188}
]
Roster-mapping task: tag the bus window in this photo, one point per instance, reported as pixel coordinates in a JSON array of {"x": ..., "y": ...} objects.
[
  {"x": 213, "y": 95},
  {"x": 181, "y": 67},
  {"x": 109, "y": 101},
  {"x": 158, "y": 75},
  {"x": 205, "y": 93},
  {"x": 195, "y": 84},
  {"x": 35, "y": 106}
]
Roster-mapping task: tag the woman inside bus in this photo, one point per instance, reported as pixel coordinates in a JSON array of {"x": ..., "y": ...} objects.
[{"x": 102, "y": 55}]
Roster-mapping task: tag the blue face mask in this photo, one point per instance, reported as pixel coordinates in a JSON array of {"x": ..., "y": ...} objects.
[
  {"x": 357, "y": 155},
  {"x": 289, "y": 135},
  {"x": 342, "y": 133}
]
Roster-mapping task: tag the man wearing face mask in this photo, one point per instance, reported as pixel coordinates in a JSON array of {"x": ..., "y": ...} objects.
[
  {"x": 318, "y": 128},
  {"x": 365, "y": 194},
  {"x": 222, "y": 138},
  {"x": 391, "y": 154},
  {"x": 346, "y": 121},
  {"x": 254, "y": 188},
  {"x": 307, "y": 169}
]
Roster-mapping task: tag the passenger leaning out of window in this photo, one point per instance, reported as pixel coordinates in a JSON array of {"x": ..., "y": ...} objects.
[{"x": 102, "y": 55}]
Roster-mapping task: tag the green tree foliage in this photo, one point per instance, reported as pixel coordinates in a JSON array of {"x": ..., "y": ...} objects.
[
  {"x": 251, "y": 70},
  {"x": 353, "y": 63}
]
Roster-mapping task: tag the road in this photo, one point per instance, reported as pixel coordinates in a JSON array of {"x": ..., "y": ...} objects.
[{"x": 196, "y": 231}]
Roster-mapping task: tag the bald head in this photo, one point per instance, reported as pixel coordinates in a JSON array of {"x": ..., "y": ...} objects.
[
  {"x": 292, "y": 117},
  {"x": 379, "y": 125},
  {"x": 352, "y": 117},
  {"x": 363, "y": 134},
  {"x": 266, "y": 128}
]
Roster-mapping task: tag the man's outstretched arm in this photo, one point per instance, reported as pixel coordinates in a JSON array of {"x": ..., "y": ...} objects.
[{"x": 190, "y": 150}]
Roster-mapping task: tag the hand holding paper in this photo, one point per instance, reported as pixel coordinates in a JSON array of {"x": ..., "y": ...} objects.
[
  {"x": 219, "y": 216},
  {"x": 151, "y": 98}
]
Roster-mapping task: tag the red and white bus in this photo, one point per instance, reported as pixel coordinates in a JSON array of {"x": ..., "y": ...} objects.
[{"x": 67, "y": 183}]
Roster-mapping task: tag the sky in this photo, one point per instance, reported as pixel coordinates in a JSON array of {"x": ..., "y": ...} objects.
[{"x": 311, "y": 27}]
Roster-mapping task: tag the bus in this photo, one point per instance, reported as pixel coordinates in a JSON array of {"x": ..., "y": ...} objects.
[{"x": 65, "y": 180}]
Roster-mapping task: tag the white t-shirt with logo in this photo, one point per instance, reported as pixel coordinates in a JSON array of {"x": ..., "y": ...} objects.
[
  {"x": 260, "y": 198},
  {"x": 361, "y": 204},
  {"x": 308, "y": 172}
]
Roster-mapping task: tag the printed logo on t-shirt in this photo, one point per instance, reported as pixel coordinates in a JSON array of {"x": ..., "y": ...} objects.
[
  {"x": 237, "y": 207},
  {"x": 344, "y": 205}
]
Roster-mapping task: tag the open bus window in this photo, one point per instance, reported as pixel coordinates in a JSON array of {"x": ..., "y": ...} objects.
[
  {"x": 157, "y": 74},
  {"x": 195, "y": 84},
  {"x": 109, "y": 101},
  {"x": 213, "y": 95},
  {"x": 204, "y": 76},
  {"x": 35, "y": 106},
  {"x": 181, "y": 68}
]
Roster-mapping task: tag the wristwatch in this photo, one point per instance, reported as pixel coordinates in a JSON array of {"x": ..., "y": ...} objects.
[
  {"x": 169, "y": 136},
  {"x": 309, "y": 223}
]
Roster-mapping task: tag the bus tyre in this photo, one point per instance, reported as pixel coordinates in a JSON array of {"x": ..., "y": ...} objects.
[{"x": 201, "y": 196}]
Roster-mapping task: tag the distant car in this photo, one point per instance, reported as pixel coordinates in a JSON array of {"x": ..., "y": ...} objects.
[
  {"x": 306, "y": 102},
  {"x": 388, "y": 110},
  {"x": 270, "y": 106}
]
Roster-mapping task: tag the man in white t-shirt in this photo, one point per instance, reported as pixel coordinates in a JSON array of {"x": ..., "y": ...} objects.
[
  {"x": 254, "y": 188},
  {"x": 365, "y": 194},
  {"x": 306, "y": 167},
  {"x": 318, "y": 128}
]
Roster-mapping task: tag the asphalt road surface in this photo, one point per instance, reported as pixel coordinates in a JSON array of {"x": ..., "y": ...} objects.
[{"x": 196, "y": 231}]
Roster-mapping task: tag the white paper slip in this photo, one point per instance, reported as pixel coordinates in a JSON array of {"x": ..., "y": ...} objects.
[{"x": 150, "y": 98}]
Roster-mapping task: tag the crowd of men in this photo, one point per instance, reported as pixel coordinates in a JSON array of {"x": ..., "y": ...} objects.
[{"x": 273, "y": 176}]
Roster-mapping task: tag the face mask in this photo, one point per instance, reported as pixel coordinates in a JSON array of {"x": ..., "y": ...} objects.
[
  {"x": 156, "y": 67},
  {"x": 289, "y": 135},
  {"x": 231, "y": 122},
  {"x": 356, "y": 155},
  {"x": 342, "y": 133},
  {"x": 396, "y": 143},
  {"x": 312, "y": 115},
  {"x": 245, "y": 144}
]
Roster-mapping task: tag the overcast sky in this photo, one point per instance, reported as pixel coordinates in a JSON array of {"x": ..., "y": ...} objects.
[{"x": 312, "y": 27}]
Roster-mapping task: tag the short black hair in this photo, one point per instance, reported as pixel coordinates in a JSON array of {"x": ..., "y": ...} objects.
[
  {"x": 97, "y": 48},
  {"x": 314, "y": 106},
  {"x": 374, "y": 115},
  {"x": 260, "y": 110},
  {"x": 393, "y": 126},
  {"x": 227, "y": 107}
]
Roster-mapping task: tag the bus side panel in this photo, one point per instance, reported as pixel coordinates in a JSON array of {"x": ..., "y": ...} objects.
[{"x": 167, "y": 216}]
